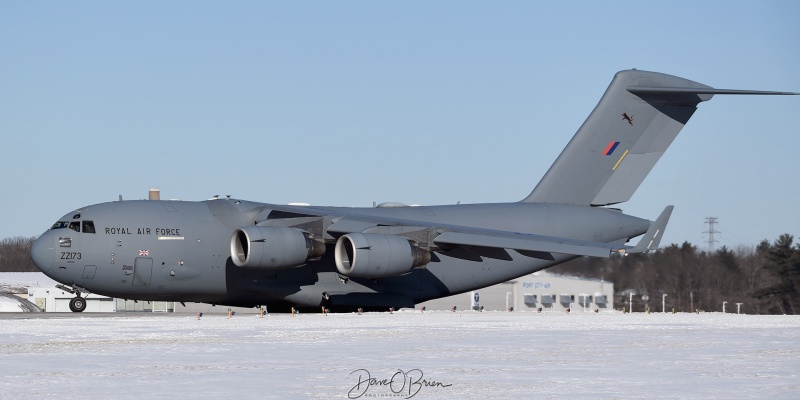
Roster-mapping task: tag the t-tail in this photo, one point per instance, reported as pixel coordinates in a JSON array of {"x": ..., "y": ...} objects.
[{"x": 635, "y": 121}]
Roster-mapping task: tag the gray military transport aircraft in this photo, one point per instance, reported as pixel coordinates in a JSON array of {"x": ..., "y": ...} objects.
[{"x": 241, "y": 253}]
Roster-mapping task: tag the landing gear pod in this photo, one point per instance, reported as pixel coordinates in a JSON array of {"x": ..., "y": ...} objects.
[
  {"x": 374, "y": 256},
  {"x": 273, "y": 248}
]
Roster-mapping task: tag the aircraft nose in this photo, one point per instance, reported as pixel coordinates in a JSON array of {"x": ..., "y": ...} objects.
[{"x": 43, "y": 252}]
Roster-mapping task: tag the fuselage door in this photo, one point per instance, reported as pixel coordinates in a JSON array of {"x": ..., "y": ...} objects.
[
  {"x": 89, "y": 271},
  {"x": 142, "y": 270}
]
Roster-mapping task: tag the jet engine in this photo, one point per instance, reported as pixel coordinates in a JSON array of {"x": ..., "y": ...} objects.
[
  {"x": 374, "y": 256},
  {"x": 273, "y": 248}
]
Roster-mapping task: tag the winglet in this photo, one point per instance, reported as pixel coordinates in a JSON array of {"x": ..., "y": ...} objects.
[{"x": 653, "y": 236}]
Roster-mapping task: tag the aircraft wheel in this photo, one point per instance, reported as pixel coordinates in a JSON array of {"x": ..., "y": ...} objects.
[{"x": 77, "y": 304}]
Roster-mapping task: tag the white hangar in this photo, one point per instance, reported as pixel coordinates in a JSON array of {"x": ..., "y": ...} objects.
[{"x": 539, "y": 291}]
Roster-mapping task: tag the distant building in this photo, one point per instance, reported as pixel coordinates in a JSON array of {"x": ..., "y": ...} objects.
[
  {"x": 53, "y": 299},
  {"x": 550, "y": 292}
]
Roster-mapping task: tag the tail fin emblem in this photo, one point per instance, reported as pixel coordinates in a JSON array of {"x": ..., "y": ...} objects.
[{"x": 628, "y": 118}]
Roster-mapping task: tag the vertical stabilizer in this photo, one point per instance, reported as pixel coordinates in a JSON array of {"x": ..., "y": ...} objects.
[
  {"x": 620, "y": 142},
  {"x": 635, "y": 121}
]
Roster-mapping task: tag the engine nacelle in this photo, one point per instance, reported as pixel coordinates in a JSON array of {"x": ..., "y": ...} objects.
[
  {"x": 273, "y": 248},
  {"x": 373, "y": 256}
]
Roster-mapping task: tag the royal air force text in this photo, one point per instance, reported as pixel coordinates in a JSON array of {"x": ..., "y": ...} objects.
[{"x": 144, "y": 231}]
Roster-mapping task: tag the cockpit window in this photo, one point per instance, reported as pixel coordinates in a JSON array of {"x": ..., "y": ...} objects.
[
  {"x": 88, "y": 226},
  {"x": 60, "y": 225}
]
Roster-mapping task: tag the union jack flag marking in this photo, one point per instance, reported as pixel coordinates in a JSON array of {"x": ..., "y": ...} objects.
[{"x": 144, "y": 252}]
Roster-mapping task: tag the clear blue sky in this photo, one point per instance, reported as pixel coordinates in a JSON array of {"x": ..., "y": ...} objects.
[{"x": 346, "y": 103}]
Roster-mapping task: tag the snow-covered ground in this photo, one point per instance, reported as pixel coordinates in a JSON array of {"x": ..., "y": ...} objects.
[
  {"x": 459, "y": 355},
  {"x": 12, "y": 303},
  {"x": 18, "y": 282}
]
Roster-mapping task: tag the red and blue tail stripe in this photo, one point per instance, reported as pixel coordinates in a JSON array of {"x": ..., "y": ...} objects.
[{"x": 610, "y": 148}]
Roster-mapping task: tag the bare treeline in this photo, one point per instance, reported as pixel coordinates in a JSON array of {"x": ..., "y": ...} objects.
[
  {"x": 15, "y": 255},
  {"x": 764, "y": 279}
]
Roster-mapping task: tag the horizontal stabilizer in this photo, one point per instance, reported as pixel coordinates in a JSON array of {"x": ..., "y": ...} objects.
[{"x": 689, "y": 90}]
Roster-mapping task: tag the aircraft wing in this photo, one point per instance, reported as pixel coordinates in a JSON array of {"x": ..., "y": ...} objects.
[
  {"x": 524, "y": 242},
  {"x": 539, "y": 246},
  {"x": 549, "y": 244}
]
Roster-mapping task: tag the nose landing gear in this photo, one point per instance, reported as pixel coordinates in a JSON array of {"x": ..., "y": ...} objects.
[{"x": 77, "y": 304}]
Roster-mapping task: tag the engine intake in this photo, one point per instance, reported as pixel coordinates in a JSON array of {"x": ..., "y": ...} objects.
[
  {"x": 273, "y": 248},
  {"x": 374, "y": 256}
]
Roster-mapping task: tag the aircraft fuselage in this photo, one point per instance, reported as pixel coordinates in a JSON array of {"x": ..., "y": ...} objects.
[{"x": 181, "y": 250}]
